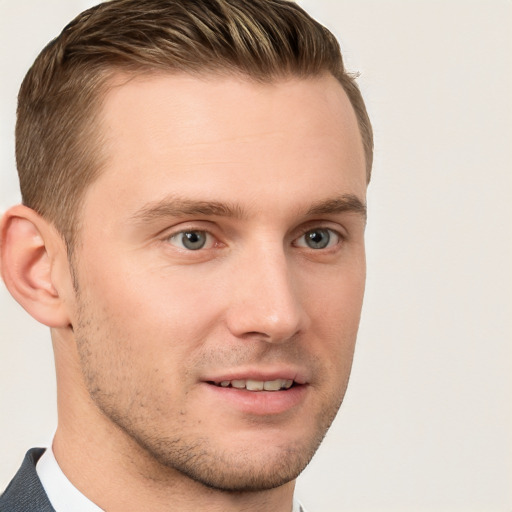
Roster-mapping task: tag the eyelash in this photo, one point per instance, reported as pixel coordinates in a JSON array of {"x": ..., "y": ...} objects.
[
  {"x": 338, "y": 238},
  {"x": 180, "y": 234},
  {"x": 209, "y": 242}
]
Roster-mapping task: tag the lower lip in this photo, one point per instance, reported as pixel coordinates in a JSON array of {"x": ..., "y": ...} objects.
[{"x": 259, "y": 403}]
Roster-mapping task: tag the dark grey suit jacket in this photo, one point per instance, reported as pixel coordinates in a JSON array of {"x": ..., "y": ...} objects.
[{"x": 25, "y": 492}]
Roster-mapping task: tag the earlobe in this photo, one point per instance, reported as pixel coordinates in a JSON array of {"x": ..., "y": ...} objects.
[{"x": 29, "y": 247}]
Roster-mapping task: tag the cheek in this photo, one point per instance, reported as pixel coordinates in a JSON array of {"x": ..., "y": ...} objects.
[
  {"x": 133, "y": 367},
  {"x": 335, "y": 311},
  {"x": 335, "y": 298},
  {"x": 144, "y": 328},
  {"x": 153, "y": 298}
]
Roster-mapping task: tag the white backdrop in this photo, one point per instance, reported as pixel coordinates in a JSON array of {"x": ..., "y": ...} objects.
[{"x": 427, "y": 421}]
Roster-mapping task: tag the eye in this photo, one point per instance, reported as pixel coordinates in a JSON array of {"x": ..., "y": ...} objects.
[
  {"x": 319, "y": 238},
  {"x": 190, "y": 240}
]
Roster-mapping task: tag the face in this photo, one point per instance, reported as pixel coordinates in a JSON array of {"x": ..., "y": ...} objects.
[{"x": 220, "y": 272}]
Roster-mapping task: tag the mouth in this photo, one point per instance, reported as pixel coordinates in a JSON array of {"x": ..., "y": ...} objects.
[
  {"x": 258, "y": 393},
  {"x": 256, "y": 385}
]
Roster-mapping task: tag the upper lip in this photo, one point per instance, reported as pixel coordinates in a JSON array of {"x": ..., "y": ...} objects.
[{"x": 286, "y": 373}]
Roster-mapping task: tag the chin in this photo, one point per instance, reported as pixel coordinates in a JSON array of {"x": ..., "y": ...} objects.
[
  {"x": 251, "y": 467},
  {"x": 242, "y": 473}
]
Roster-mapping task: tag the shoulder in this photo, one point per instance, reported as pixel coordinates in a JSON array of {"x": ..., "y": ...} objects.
[{"x": 25, "y": 492}]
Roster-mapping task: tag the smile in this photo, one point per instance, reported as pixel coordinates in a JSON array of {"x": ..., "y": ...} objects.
[{"x": 256, "y": 385}]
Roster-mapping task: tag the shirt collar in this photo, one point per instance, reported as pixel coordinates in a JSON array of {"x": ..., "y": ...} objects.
[{"x": 63, "y": 495}]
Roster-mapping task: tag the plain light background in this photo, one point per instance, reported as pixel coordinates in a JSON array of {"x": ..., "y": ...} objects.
[{"x": 427, "y": 420}]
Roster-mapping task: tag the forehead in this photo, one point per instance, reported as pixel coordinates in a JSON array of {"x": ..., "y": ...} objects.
[{"x": 225, "y": 136}]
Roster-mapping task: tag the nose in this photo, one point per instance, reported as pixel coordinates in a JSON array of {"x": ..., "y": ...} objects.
[{"x": 266, "y": 302}]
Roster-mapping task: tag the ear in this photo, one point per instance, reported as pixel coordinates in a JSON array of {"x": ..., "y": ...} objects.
[{"x": 31, "y": 256}]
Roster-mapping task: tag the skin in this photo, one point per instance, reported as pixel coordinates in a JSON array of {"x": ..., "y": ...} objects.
[{"x": 146, "y": 325}]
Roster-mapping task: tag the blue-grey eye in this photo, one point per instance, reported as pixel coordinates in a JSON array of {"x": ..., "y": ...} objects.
[
  {"x": 191, "y": 240},
  {"x": 319, "y": 238}
]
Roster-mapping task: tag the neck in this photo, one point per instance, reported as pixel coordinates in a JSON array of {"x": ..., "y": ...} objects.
[{"x": 133, "y": 485}]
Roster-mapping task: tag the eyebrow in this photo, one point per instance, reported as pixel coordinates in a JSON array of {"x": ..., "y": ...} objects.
[
  {"x": 179, "y": 207},
  {"x": 346, "y": 203}
]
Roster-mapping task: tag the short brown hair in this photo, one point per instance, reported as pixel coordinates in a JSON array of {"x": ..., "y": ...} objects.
[{"x": 58, "y": 148}]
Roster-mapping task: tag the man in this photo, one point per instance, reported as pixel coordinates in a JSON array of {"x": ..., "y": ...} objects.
[{"x": 194, "y": 177}]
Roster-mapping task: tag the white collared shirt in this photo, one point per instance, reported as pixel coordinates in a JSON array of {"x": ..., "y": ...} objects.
[{"x": 64, "y": 496}]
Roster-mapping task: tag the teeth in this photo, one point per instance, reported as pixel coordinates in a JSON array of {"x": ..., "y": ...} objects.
[
  {"x": 254, "y": 385},
  {"x": 273, "y": 385},
  {"x": 258, "y": 385}
]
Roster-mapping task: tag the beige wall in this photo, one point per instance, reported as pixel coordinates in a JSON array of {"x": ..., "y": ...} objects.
[{"x": 427, "y": 421}]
